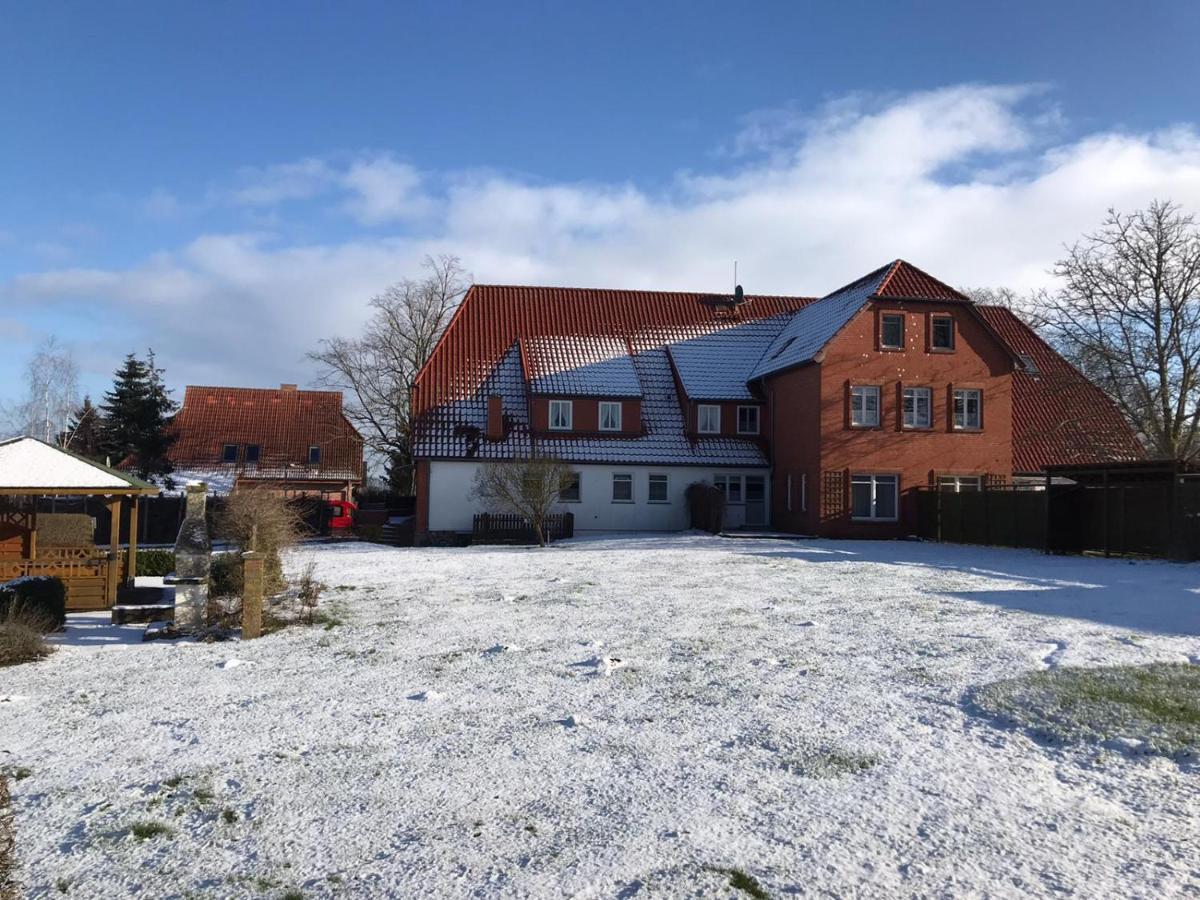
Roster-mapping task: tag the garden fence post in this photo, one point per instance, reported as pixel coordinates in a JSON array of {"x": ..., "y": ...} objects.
[{"x": 252, "y": 595}]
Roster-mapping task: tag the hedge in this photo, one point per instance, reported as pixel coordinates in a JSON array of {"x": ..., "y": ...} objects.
[
  {"x": 38, "y": 599},
  {"x": 155, "y": 563}
]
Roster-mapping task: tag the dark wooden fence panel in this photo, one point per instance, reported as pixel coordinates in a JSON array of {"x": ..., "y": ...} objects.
[
  {"x": 999, "y": 516},
  {"x": 506, "y": 528}
]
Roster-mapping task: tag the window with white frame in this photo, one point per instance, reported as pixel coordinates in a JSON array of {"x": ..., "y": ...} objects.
[
  {"x": 874, "y": 497},
  {"x": 622, "y": 488},
  {"x": 968, "y": 408},
  {"x": 957, "y": 484},
  {"x": 747, "y": 419},
  {"x": 730, "y": 486},
  {"x": 570, "y": 492},
  {"x": 610, "y": 416},
  {"x": 708, "y": 419},
  {"x": 656, "y": 490},
  {"x": 864, "y": 405},
  {"x": 918, "y": 407},
  {"x": 561, "y": 415}
]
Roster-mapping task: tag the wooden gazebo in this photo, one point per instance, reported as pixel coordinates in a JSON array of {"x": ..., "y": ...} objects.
[{"x": 29, "y": 469}]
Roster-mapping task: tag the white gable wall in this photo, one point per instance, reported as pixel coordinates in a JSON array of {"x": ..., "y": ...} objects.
[{"x": 452, "y": 508}]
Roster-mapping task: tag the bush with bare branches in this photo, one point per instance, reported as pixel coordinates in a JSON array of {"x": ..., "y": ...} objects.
[
  {"x": 528, "y": 487},
  {"x": 261, "y": 520}
]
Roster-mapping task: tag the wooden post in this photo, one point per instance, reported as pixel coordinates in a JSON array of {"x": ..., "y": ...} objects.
[
  {"x": 33, "y": 531},
  {"x": 131, "y": 557},
  {"x": 252, "y": 595},
  {"x": 114, "y": 538}
]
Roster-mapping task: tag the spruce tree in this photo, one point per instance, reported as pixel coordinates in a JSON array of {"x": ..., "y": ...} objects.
[
  {"x": 136, "y": 413},
  {"x": 85, "y": 432}
]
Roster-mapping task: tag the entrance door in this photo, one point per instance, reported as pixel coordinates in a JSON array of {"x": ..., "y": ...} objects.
[{"x": 756, "y": 500}]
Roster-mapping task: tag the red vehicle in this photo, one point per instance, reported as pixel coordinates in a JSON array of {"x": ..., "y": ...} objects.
[{"x": 341, "y": 515}]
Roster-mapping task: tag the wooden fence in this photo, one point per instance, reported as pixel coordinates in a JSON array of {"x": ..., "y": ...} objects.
[
  {"x": 506, "y": 528},
  {"x": 91, "y": 574}
]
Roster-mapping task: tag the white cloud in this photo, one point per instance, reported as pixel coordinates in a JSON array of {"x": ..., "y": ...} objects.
[{"x": 973, "y": 183}]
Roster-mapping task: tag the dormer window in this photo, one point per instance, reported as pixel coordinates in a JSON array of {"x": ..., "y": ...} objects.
[
  {"x": 941, "y": 333},
  {"x": 253, "y": 451},
  {"x": 708, "y": 419},
  {"x": 747, "y": 420},
  {"x": 229, "y": 453},
  {"x": 610, "y": 416},
  {"x": 314, "y": 455},
  {"x": 561, "y": 415},
  {"x": 891, "y": 331}
]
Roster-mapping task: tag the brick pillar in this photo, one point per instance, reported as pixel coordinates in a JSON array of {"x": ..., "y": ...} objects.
[{"x": 252, "y": 595}]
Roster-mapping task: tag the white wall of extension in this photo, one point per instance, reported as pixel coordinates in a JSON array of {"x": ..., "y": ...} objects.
[{"x": 451, "y": 506}]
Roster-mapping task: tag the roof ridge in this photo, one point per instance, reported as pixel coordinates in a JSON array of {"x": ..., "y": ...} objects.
[
  {"x": 901, "y": 264},
  {"x": 610, "y": 290}
]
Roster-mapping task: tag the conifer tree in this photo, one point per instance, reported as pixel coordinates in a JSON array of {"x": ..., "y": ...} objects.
[
  {"x": 136, "y": 412},
  {"x": 85, "y": 432}
]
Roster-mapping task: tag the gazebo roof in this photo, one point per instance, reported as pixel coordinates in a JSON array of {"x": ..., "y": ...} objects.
[{"x": 30, "y": 466}]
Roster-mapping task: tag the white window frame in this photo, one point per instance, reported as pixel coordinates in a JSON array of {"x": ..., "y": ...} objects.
[
  {"x": 859, "y": 394},
  {"x": 964, "y": 394},
  {"x": 579, "y": 486},
  {"x": 723, "y": 483},
  {"x": 560, "y": 405},
  {"x": 883, "y": 316},
  {"x": 609, "y": 405},
  {"x": 915, "y": 393},
  {"x": 314, "y": 450},
  {"x": 757, "y": 419},
  {"x": 711, "y": 408},
  {"x": 874, "y": 480},
  {"x": 658, "y": 478},
  {"x": 622, "y": 478},
  {"x": 955, "y": 483}
]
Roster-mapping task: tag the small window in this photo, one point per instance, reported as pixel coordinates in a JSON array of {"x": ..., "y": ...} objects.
[
  {"x": 747, "y": 420},
  {"x": 941, "y": 331},
  {"x": 708, "y": 419},
  {"x": 657, "y": 489},
  {"x": 314, "y": 455},
  {"x": 253, "y": 451},
  {"x": 622, "y": 488},
  {"x": 730, "y": 486},
  {"x": 229, "y": 453},
  {"x": 891, "y": 331},
  {"x": 873, "y": 497},
  {"x": 864, "y": 406},
  {"x": 570, "y": 490},
  {"x": 918, "y": 406},
  {"x": 968, "y": 409},
  {"x": 957, "y": 484},
  {"x": 561, "y": 415},
  {"x": 610, "y": 416},
  {"x": 1026, "y": 364}
]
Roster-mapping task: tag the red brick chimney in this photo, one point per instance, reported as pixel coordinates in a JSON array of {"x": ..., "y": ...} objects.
[{"x": 495, "y": 422}]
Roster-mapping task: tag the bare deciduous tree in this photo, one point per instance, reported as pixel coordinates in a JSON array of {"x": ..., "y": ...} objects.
[
  {"x": 528, "y": 487},
  {"x": 51, "y": 393},
  {"x": 377, "y": 369},
  {"x": 1128, "y": 316}
]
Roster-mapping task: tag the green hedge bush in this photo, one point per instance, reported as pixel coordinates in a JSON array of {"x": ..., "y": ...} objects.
[
  {"x": 39, "y": 600},
  {"x": 155, "y": 563}
]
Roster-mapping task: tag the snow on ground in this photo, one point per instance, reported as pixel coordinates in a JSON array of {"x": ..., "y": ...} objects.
[{"x": 614, "y": 718}]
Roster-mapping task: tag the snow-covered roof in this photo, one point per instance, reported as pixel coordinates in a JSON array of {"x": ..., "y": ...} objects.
[
  {"x": 27, "y": 464},
  {"x": 580, "y": 365},
  {"x": 717, "y": 365}
]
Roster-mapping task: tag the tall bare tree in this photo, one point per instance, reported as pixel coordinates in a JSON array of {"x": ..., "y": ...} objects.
[
  {"x": 51, "y": 392},
  {"x": 376, "y": 370},
  {"x": 528, "y": 487},
  {"x": 1128, "y": 315}
]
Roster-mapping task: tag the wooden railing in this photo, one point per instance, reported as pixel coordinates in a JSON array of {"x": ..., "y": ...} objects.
[
  {"x": 506, "y": 528},
  {"x": 90, "y": 573}
]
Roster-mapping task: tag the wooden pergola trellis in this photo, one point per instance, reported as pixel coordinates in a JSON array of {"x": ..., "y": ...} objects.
[{"x": 30, "y": 469}]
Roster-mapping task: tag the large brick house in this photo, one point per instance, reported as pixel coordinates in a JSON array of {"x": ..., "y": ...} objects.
[
  {"x": 814, "y": 416},
  {"x": 297, "y": 442}
]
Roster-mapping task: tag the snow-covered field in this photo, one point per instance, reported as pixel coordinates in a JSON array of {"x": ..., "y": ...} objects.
[{"x": 614, "y": 718}]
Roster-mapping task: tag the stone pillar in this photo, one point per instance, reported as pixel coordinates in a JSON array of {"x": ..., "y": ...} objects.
[
  {"x": 193, "y": 559},
  {"x": 252, "y": 595}
]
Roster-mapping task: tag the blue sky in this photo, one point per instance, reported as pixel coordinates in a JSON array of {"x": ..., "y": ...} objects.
[{"x": 230, "y": 182}]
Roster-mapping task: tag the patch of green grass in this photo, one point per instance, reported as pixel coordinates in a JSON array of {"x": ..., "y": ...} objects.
[
  {"x": 293, "y": 894},
  {"x": 744, "y": 882},
  {"x": 173, "y": 782},
  {"x": 831, "y": 762},
  {"x": 62, "y": 885},
  {"x": 203, "y": 795},
  {"x": 228, "y": 816},
  {"x": 148, "y": 828},
  {"x": 1153, "y": 708},
  {"x": 20, "y": 773}
]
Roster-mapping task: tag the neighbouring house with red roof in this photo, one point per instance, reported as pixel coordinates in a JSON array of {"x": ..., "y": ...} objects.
[
  {"x": 297, "y": 442},
  {"x": 812, "y": 415}
]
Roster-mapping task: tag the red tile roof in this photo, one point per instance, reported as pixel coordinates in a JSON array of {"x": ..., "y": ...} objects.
[
  {"x": 1059, "y": 417},
  {"x": 906, "y": 282},
  {"x": 284, "y": 422},
  {"x": 492, "y": 317}
]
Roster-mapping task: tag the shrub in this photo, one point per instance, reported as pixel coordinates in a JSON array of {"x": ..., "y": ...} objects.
[
  {"x": 262, "y": 520},
  {"x": 20, "y": 643},
  {"x": 225, "y": 575},
  {"x": 706, "y": 507},
  {"x": 155, "y": 563},
  {"x": 39, "y": 601},
  {"x": 65, "y": 530}
]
